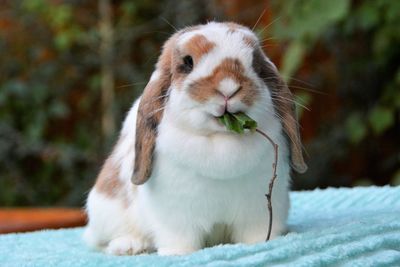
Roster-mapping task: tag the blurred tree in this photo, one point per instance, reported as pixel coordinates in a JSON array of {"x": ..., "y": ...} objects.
[{"x": 106, "y": 30}]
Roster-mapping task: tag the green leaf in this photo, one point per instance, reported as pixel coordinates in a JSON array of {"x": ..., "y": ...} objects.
[
  {"x": 380, "y": 119},
  {"x": 231, "y": 123},
  {"x": 356, "y": 129},
  {"x": 292, "y": 58},
  {"x": 245, "y": 121},
  {"x": 60, "y": 16},
  {"x": 368, "y": 15},
  {"x": 238, "y": 122},
  {"x": 62, "y": 40}
]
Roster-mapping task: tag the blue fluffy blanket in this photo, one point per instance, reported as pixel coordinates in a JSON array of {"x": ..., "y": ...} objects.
[{"x": 340, "y": 227}]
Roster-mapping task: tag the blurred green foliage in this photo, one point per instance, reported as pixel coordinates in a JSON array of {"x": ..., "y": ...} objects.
[
  {"x": 50, "y": 136},
  {"x": 305, "y": 21},
  {"x": 363, "y": 40},
  {"x": 50, "y": 141}
]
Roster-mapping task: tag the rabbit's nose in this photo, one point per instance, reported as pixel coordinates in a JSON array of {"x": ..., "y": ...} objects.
[{"x": 228, "y": 88}]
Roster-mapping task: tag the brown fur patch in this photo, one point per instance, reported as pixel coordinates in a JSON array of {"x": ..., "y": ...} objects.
[
  {"x": 149, "y": 116},
  {"x": 250, "y": 41},
  {"x": 198, "y": 46},
  {"x": 203, "y": 89},
  {"x": 150, "y": 112},
  {"x": 108, "y": 181},
  {"x": 284, "y": 106}
]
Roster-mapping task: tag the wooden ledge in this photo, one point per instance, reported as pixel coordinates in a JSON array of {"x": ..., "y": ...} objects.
[{"x": 31, "y": 219}]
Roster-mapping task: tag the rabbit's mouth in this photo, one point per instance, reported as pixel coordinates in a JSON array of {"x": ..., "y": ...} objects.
[
  {"x": 218, "y": 121},
  {"x": 222, "y": 127}
]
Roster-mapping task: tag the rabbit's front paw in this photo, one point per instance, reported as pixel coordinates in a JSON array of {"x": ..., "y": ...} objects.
[{"x": 125, "y": 245}]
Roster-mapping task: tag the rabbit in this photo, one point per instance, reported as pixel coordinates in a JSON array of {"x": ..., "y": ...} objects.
[{"x": 177, "y": 180}]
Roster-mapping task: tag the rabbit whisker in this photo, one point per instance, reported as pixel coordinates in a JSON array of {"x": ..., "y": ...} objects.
[
  {"x": 298, "y": 80},
  {"x": 268, "y": 39},
  {"x": 258, "y": 20},
  {"x": 154, "y": 99},
  {"x": 285, "y": 99},
  {"x": 269, "y": 24},
  {"x": 130, "y": 84},
  {"x": 155, "y": 112},
  {"x": 170, "y": 24},
  {"x": 308, "y": 90}
]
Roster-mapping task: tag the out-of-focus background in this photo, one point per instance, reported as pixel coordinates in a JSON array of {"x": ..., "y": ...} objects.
[{"x": 70, "y": 70}]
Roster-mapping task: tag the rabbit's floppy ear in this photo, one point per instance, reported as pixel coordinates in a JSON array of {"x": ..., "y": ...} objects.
[
  {"x": 284, "y": 106},
  {"x": 150, "y": 112}
]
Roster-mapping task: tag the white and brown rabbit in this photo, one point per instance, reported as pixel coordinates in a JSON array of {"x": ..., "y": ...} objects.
[{"x": 178, "y": 180}]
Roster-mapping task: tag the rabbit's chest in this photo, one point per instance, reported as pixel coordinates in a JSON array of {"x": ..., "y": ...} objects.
[
  {"x": 208, "y": 180},
  {"x": 186, "y": 195},
  {"x": 220, "y": 157}
]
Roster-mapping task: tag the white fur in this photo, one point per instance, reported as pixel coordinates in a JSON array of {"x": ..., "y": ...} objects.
[
  {"x": 123, "y": 155},
  {"x": 156, "y": 74},
  {"x": 228, "y": 87},
  {"x": 202, "y": 175}
]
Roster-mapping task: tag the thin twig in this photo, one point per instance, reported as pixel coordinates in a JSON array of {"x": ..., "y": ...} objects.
[{"x": 271, "y": 183}]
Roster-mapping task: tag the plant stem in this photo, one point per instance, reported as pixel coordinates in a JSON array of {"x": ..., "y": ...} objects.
[{"x": 271, "y": 183}]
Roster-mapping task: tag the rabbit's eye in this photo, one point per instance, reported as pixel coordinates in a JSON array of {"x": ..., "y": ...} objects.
[{"x": 187, "y": 65}]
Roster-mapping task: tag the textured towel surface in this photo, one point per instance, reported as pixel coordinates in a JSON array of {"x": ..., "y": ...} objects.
[{"x": 340, "y": 227}]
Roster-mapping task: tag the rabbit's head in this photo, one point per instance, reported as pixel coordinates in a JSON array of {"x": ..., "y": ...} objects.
[{"x": 203, "y": 72}]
